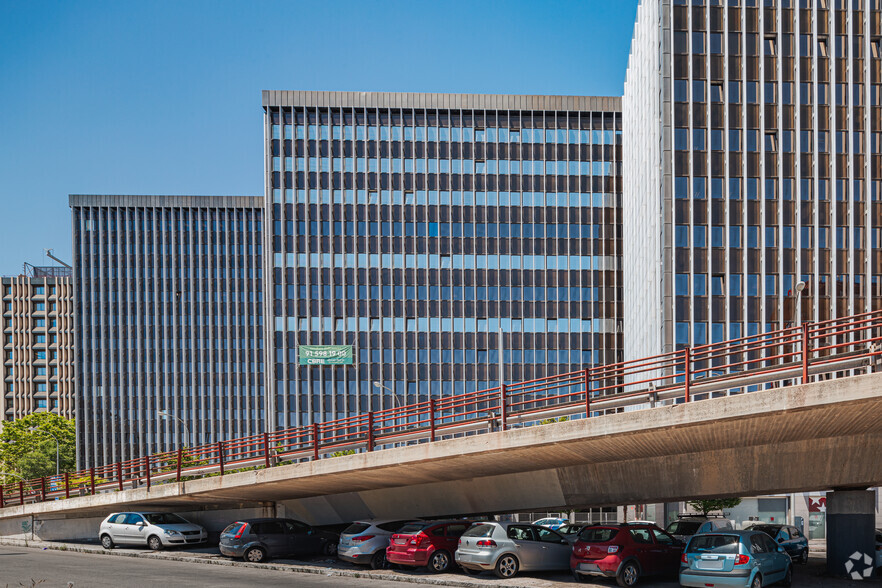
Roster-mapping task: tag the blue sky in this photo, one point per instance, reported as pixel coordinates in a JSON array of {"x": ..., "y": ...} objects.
[{"x": 164, "y": 97}]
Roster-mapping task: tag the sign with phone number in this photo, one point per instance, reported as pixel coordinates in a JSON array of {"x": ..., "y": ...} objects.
[{"x": 325, "y": 354}]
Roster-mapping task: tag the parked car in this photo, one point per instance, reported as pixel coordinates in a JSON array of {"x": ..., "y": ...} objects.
[
  {"x": 572, "y": 530},
  {"x": 153, "y": 529},
  {"x": 626, "y": 552},
  {"x": 879, "y": 552},
  {"x": 552, "y": 523},
  {"x": 794, "y": 543},
  {"x": 507, "y": 548},
  {"x": 687, "y": 526},
  {"x": 748, "y": 559},
  {"x": 365, "y": 542},
  {"x": 257, "y": 540},
  {"x": 427, "y": 544}
]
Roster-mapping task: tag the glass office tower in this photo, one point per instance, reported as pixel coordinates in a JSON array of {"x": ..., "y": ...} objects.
[
  {"x": 169, "y": 322},
  {"x": 418, "y": 227},
  {"x": 36, "y": 323},
  {"x": 752, "y": 163}
]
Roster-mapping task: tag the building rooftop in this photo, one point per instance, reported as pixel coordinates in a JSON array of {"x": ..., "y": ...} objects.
[{"x": 151, "y": 201}]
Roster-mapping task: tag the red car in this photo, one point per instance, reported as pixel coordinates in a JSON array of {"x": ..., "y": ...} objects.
[
  {"x": 426, "y": 543},
  {"x": 625, "y": 552}
]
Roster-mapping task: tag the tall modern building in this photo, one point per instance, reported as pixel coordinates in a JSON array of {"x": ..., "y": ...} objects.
[
  {"x": 418, "y": 227},
  {"x": 37, "y": 370},
  {"x": 168, "y": 297},
  {"x": 752, "y": 162}
]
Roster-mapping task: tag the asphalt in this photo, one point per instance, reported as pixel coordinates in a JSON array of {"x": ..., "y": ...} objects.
[{"x": 809, "y": 576}]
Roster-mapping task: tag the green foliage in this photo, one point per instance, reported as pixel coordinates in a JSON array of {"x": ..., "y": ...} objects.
[
  {"x": 706, "y": 506},
  {"x": 28, "y": 449},
  {"x": 562, "y": 419},
  {"x": 344, "y": 452}
]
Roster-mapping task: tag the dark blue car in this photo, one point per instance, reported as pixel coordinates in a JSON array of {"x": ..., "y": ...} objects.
[{"x": 794, "y": 543}]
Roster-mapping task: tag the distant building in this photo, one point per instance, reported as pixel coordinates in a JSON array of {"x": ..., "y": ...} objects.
[
  {"x": 417, "y": 227},
  {"x": 36, "y": 323},
  {"x": 169, "y": 321}
]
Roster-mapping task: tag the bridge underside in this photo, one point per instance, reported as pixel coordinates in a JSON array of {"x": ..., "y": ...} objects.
[{"x": 815, "y": 436}]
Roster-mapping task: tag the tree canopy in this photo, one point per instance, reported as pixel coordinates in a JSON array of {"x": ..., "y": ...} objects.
[
  {"x": 706, "y": 506},
  {"x": 27, "y": 446}
]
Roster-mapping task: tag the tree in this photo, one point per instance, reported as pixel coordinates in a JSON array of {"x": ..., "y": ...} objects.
[
  {"x": 706, "y": 506},
  {"x": 27, "y": 447}
]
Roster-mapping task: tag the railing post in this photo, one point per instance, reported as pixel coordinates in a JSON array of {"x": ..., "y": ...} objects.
[
  {"x": 119, "y": 475},
  {"x": 67, "y": 484},
  {"x": 431, "y": 419},
  {"x": 502, "y": 413},
  {"x": 370, "y": 431},
  {"x": 687, "y": 369},
  {"x": 43, "y": 489},
  {"x": 266, "y": 453},
  {"x": 21, "y": 493},
  {"x": 178, "y": 466},
  {"x": 315, "y": 441},
  {"x": 1, "y": 496},
  {"x": 587, "y": 393},
  {"x": 220, "y": 456},
  {"x": 147, "y": 470},
  {"x": 805, "y": 352},
  {"x": 92, "y": 479}
]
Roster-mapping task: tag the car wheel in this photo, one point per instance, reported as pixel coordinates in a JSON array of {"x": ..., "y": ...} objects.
[
  {"x": 329, "y": 548},
  {"x": 439, "y": 562},
  {"x": 804, "y": 558},
  {"x": 788, "y": 577},
  {"x": 506, "y": 566},
  {"x": 154, "y": 543},
  {"x": 255, "y": 555},
  {"x": 757, "y": 582},
  {"x": 106, "y": 542},
  {"x": 628, "y": 575},
  {"x": 378, "y": 561}
]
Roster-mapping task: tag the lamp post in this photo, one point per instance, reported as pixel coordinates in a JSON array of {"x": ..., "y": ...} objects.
[
  {"x": 396, "y": 403},
  {"x": 57, "y": 460},
  {"x": 797, "y": 321},
  {"x": 167, "y": 415}
]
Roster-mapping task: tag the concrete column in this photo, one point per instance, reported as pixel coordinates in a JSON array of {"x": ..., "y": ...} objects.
[{"x": 850, "y": 539}]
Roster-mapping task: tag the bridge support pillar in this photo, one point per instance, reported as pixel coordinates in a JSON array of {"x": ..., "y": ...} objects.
[{"x": 851, "y": 547}]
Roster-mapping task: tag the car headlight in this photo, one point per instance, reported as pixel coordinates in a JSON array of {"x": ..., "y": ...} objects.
[{"x": 171, "y": 532}]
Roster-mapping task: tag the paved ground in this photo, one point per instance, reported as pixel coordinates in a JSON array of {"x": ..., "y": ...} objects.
[{"x": 86, "y": 565}]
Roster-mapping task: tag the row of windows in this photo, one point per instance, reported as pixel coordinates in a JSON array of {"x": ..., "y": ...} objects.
[
  {"x": 440, "y": 324},
  {"x": 37, "y": 371},
  {"x": 699, "y": 283},
  {"x": 478, "y": 356},
  {"x": 103, "y": 222},
  {"x": 786, "y": 93},
  {"x": 808, "y": 237},
  {"x": 35, "y": 306},
  {"x": 755, "y": 44},
  {"x": 38, "y": 387},
  {"x": 435, "y": 261},
  {"x": 38, "y": 338},
  {"x": 432, "y": 229},
  {"x": 770, "y": 141},
  {"x": 50, "y": 403},
  {"x": 192, "y": 369},
  {"x": 445, "y": 134},
  {"x": 35, "y": 291},
  {"x": 448, "y": 166},
  {"x": 400, "y": 292},
  {"x": 39, "y": 355},
  {"x": 772, "y": 189},
  {"x": 444, "y": 198},
  {"x": 149, "y": 272},
  {"x": 181, "y": 245},
  {"x": 150, "y": 319},
  {"x": 183, "y": 294}
]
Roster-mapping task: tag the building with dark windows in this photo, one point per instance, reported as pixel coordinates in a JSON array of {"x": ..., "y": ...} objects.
[
  {"x": 752, "y": 163},
  {"x": 168, "y": 295},
  {"x": 441, "y": 235},
  {"x": 36, "y": 323}
]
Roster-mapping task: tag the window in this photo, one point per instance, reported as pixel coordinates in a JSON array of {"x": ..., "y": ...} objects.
[{"x": 771, "y": 45}]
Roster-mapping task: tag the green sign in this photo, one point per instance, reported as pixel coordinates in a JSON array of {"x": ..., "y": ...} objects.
[{"x": 325, "y": 354}]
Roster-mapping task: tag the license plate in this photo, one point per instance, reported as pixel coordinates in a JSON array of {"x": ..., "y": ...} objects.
[
  {"x": 464, "y": 557},
  {"x": 589, "y": 567},
  {"x": 400, "y": 541},
  {"x": 710, "y": 565}
]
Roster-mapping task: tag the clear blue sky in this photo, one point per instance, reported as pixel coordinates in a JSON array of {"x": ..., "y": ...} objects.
[{"x": 163, "y": 97}]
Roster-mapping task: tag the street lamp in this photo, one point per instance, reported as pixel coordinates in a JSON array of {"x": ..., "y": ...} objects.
[
  {"x": 57, "y": 461},
  {"x": 797, "y": 315},
  {"x": 167, "y": 415},
  {"x": 395, "y": 402}
]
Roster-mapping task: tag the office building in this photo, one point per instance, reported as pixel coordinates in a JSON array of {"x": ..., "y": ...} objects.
[
  {"x": 36, "y": 323},
  {"x": 752, "y": 163},
  {"x": 168, "y": 294},
  {"x": 416, "y": 227}
]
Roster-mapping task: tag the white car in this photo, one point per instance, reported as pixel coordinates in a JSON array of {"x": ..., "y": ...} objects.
[{"x": 153, "y": 529}]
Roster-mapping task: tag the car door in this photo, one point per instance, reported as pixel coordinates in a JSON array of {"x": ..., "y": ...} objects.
[
  {"x": 668, "y": 552},
  {"x": 526, "y": 548},
  {"x": 301, "y": 538},
  {"x": 556, "y": 550},
  {"x": 136, "y": 529},
  {"x": 783, "y": 539},
  {"x": 116, "y": 526},
  {"x": 800, "y": 543},
  {"x": 645, "y": 549},
  {"x": 273, "y": 537}
]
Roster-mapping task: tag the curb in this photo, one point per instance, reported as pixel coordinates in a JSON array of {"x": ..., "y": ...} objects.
[{"x": 295, "y": 568}]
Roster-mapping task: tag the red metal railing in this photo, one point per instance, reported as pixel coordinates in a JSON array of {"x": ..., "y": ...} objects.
[{"x": 841, "y": 346}]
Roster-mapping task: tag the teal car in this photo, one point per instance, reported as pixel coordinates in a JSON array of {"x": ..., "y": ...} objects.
[{"x": 746, "y": 559}]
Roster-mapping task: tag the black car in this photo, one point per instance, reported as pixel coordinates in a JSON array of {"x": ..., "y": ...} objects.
[
  {"x": 256, "y": 540},
  {"x": 790, "y": 538}
]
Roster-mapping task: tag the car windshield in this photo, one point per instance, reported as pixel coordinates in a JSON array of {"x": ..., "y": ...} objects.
[
  {"x": 713, "y": 544},
  {"x": 770, "y": 530},
  {"x": 683, "y": 527},
  {"x": 546, "y": 522},
  {"x": 412, "y": 528},
  {"x": 164, "y": 518},
  {"x": 355, "y": 528},
  {"x": 597, "y": 534},
  {"x": 479, "y": 531}
]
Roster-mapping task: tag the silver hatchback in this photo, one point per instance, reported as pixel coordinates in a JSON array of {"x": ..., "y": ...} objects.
[
  {"x": 365, "y": 542},
  {"x": 507, "y": 548},
  {"x": 153, "y": 529}
]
